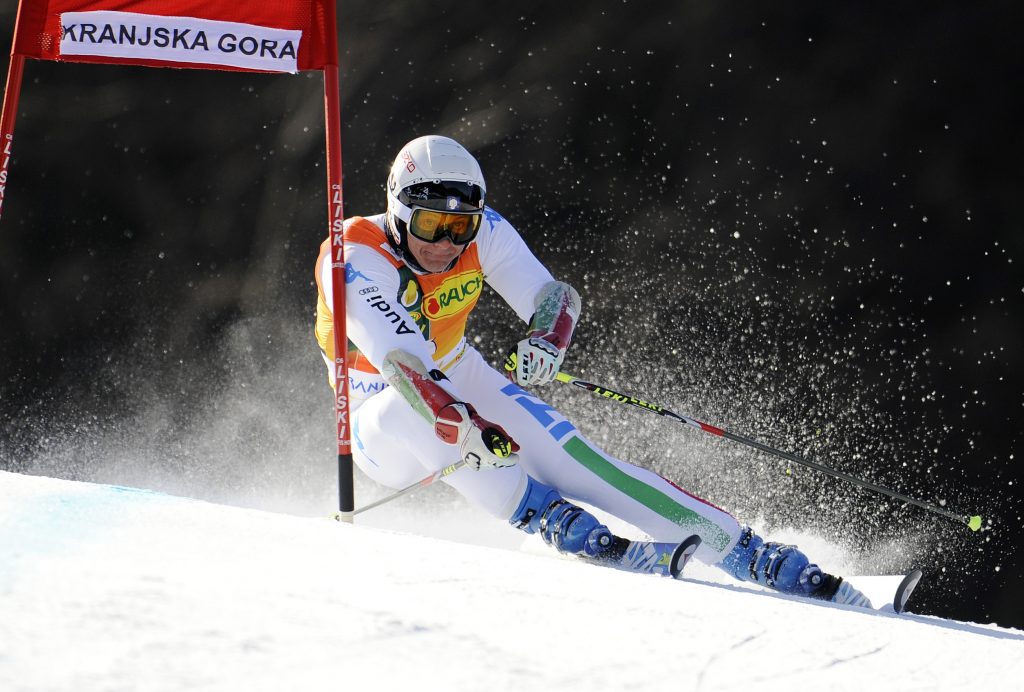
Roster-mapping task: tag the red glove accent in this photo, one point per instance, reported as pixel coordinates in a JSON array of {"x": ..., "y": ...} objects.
[{"x": 481, "y": 442}]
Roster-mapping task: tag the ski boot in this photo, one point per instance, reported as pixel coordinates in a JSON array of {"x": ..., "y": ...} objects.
[
  {"x": 784, "y": 568},
  {"x": 571, "y": 529}
]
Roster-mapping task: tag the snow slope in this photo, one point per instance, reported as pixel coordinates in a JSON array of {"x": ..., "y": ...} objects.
[{"x": 109, "y": 588}]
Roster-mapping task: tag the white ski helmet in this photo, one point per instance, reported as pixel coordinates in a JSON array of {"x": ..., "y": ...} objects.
[{"x": 433, "y": 174}]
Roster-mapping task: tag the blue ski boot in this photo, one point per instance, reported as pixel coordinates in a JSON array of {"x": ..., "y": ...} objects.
[
  {"x": 786, "y": 569},
  {"x": 571, "y": 529}
]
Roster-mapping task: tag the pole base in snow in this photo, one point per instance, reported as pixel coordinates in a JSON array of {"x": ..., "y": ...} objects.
[{"x": 347, "y": 517}]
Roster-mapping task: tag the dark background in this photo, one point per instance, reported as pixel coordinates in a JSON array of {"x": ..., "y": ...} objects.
[{"x": 797, "y": 222}]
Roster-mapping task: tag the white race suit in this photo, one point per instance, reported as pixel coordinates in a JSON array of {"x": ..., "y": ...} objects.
[{"x": 391, "y": 306}]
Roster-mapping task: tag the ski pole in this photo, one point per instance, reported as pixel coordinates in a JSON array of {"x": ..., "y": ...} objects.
[
  {"x": 429, "y": 480},
  {"x": 972, "y": 522}
]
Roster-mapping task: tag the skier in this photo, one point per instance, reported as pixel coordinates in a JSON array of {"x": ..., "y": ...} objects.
[{"x": 422, "y": 397}]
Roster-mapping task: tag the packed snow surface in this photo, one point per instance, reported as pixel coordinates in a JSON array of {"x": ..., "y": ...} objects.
[{"x": 110, "y": 588}]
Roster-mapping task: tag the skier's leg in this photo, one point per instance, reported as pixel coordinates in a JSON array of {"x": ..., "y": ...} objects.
[
  {"x": 507, "y": 493},
  {"x": 557, "y": 455},
  {"x": 785, "y": 568},
  {"x": 394, "y": 446}
]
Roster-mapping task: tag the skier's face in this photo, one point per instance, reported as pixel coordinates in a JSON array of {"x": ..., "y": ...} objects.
[{"x": 434, "y": 257}]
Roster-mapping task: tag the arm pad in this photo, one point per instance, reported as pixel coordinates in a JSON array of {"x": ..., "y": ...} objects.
[
  {"x": 407, "y": 374},
  {"x": 558, "y": 308}
]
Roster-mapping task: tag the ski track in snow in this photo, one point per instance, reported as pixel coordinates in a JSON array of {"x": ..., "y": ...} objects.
[{"x": 108, "y": 588}]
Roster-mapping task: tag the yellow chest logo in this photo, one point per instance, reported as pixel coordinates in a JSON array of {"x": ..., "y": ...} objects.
[{"x": 455, "y": 294}]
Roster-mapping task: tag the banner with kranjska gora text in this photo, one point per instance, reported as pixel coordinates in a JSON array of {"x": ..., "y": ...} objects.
[
  {"x": 178, "y": 39},
  {"x": 250, "y": 35}
]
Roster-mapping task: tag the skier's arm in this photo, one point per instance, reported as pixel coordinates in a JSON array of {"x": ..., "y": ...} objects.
[
  {"x": 538, "y": 358},
  {"x": 551, "y": 308},
  {"x": 509, "y": 267},
  {"x": 480, "y": 442}
]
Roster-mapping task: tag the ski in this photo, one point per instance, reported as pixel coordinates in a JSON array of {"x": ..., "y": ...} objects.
[
  {"x": 891, "y": 591},
  {"x": 649, "y": 557},
  {"x": 905, "y": 589},
  {"x": 682, "y": 554}
]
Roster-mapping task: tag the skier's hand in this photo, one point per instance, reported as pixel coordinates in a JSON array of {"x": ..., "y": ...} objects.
[
  {"x": 483, "y": 444},
  {"x": 534, "y": 360}
]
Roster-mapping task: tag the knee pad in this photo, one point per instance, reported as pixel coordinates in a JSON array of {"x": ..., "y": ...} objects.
[{"x": 570, "y": 529}]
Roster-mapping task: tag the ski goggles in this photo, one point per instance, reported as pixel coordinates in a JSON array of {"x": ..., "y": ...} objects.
[{"x": 431, "y": 226}]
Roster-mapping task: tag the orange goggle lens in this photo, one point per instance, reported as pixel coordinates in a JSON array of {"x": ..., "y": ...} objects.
[{"x": 431, "y": 226}]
